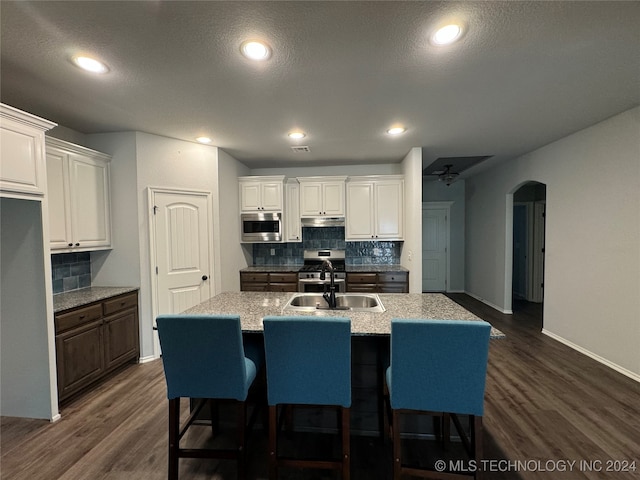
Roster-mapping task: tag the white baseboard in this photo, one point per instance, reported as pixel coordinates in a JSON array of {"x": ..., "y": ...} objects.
[
  {"x": 147, "y": 359},
  {"x": 596, "y": 357},
  {"x": 495, "y": 307},
  {"x": 56, "y": 417},
  {"x": 455, "y": 291}
]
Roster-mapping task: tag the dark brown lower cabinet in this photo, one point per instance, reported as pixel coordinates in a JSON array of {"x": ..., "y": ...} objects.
[
  {"x": 380, "y": 282},
  {"x": 268, "y": 281},
  {"x": 95, "y": 339}
]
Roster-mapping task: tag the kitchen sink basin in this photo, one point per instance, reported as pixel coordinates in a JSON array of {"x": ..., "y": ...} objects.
[{"x": 355, "y": 302}]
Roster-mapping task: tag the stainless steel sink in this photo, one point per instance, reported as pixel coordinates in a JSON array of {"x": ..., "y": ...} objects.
[{"x": 355, "y": 302}]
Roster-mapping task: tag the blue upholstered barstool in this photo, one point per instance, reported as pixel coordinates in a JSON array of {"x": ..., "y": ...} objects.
[
  {"x": 204, "y": 358},
  {"x": 308, "y": 363},
  {"x": 438, "y": 367}
]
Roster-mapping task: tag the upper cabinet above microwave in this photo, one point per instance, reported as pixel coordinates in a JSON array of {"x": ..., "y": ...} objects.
[
  {"x": 322, "y": 196},
  {"x": 261, "y": 194},
  {"x": 78, "y": 190}
]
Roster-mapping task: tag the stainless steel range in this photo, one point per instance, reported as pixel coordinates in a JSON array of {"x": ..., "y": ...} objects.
[{"x": 309, "y": 275}]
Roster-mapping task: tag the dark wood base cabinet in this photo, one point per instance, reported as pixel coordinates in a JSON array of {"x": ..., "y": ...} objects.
[
  {"x": 268, "y": 281},
  {"x": 380, "y": 282},
  {"x": 95, "y": 339}
]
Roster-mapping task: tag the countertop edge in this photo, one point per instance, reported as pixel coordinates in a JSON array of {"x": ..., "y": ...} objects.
[{"x": 84, "y": 296}]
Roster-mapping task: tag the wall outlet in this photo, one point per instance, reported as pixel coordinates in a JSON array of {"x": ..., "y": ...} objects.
[{"x": 273, "y": 251}]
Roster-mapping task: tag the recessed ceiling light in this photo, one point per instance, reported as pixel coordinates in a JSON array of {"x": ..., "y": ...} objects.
[
  {"x": 396, "y": 130},
  {"x": 297, "y": 135},
  {"x": 254, "y": 50},
  {"x": 203, "y": 139},
  {"x": 90, "y": 64},
  {"x": 447, "y": 34}
]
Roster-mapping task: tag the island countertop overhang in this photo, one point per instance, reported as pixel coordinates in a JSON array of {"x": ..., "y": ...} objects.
[{"x": 254, "y": 306}]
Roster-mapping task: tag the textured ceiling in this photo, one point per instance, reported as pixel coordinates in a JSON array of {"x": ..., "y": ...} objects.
[{"x": 523, "y": 75}]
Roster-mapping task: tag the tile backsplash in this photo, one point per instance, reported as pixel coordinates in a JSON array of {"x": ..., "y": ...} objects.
[
  {"x": 314, "y": 238},
  {"x": 70, "y": 271}
]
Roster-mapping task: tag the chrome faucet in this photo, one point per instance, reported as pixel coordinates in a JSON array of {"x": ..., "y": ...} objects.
[{"x": 330, "y": 296}]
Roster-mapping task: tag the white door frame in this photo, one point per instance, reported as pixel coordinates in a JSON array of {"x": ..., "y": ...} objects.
[
  {"x": 151, "y": 191},
  {"x": 447, "y": 207}
]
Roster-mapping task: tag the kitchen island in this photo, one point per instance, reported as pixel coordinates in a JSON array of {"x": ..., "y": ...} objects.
[
  {"x": 370, "y": 345},
  {"x": 254, "y": 306}
]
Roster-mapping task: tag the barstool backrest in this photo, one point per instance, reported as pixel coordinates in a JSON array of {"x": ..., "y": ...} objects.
[
  {"x": 308, "y": 360},
  {"x": 439, "y": 365},
  {"x": 203, "y": 356}
]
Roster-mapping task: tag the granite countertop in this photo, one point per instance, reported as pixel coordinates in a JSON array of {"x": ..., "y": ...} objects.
[
  {"x": 253, "y": 306},
  {"x": 374, "y": 268},
  {"x": 348, "y": 268},
  {"x": 84, "y": 296}
]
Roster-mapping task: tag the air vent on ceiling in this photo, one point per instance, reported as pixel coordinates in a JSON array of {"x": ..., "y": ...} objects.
[{"x": 301, "y": 149}]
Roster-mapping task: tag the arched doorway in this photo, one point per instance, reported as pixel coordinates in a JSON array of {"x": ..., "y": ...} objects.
[{"x": 528, "y": 241}]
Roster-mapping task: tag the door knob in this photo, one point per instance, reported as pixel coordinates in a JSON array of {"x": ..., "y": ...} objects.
[{"x": 204, "y": 277}]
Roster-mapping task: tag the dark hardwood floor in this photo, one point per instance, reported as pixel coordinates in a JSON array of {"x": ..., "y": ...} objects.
[{"x": 545, "y": 405}]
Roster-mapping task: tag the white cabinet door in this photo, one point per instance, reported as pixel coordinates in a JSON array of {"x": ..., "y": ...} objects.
[
  {"x": 389, "y": 210},
  {"x": 250, "y": 197},
  {"x": 272, "y": 196},
  {"x": 90, "y": 210},
  {"x": 79, "y": 200},
  {"x": 333, "y": 199},
  {"x": 23, "y": 169},
  {"x": 292, "y": 213},
  {"x": 261, "y": 194},
  {"x": 359, "y": 221},
  {"x": 60, "y": 235},
  {"x": 322, "y": 197},
  {"x": 375, "y": 208},
  {"x": 310, "y": 199}
]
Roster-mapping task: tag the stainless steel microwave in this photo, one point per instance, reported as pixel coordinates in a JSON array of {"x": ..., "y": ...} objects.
[{"x": 261, "y": 227}]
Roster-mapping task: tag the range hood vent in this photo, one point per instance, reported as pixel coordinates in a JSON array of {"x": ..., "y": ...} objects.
[{"x": 322, "y": 221}]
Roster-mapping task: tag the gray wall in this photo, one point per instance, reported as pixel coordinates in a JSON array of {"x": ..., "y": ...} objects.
[
  {"x": 25, "y": 335},
  {"x": 592, "y": 264}
]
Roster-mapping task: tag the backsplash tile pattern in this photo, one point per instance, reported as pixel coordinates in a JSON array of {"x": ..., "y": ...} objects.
[
  {"x": 314, "y": 238},
  {"x": 70, "y": 271}
]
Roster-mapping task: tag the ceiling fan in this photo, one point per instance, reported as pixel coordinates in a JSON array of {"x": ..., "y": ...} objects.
[{"x": 446, "y": 175}]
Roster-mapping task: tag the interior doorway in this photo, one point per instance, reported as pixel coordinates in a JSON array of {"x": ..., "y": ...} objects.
[{"x": 529, "y": 212}]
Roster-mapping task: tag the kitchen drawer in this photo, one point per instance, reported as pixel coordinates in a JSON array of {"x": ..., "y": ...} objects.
[
  {"x": 362, "y": 278},
  {"x": 120, "y": 303},
  {"x": 392, "y": 277},
  {"x": 283, "y": 278},
  {"x": 362, "y": 288},
  {"x": 393, "y": 288},
  {"x": 77, "y": 317},
  {"x": 283, "y": 287},
  {"x": 246, "y": 277}
]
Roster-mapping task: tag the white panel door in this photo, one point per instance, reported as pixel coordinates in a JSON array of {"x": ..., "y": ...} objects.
[
  {"x": 182, "y": 231},
  {"x": 434, "y": 249}
]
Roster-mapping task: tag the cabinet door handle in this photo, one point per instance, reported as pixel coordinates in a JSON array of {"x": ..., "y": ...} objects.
[
  {"x": 205, "y": 278},
  {"x": 71, "y": 244},
  {"x": 77, "y": 244}
]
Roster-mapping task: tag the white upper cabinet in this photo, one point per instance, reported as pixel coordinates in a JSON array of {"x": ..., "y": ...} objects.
[
  {"x": 292, "y": 212},
  {"x": 79, "y": 197},
  {"x": 322, "y": 196},
  {"x": 23, "y": 169},
  {"x": 375, "y": 208},
  {"x": 261, "y": 194}
]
